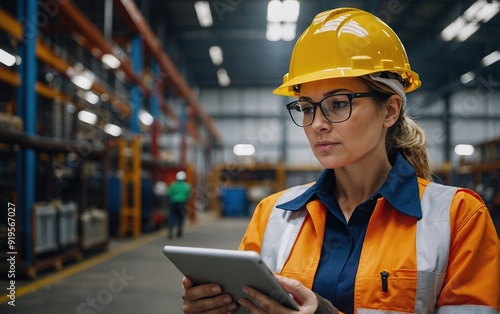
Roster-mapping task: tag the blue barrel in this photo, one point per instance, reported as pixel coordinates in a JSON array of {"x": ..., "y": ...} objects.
[{"x": 234, "y": 202}]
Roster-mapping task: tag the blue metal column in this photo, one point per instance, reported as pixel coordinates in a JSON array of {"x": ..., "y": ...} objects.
[
  {"x": 135, "y": 93},
  {"x": 26, "y": 109},
  {"x": 154, "y": 106}
]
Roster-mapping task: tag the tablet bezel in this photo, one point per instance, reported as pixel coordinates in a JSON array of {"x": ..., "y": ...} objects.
[{"x": 231, "y": 269}]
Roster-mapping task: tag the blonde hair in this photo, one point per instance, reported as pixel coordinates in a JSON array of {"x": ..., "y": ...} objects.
[{"x": 405, "y": 136}]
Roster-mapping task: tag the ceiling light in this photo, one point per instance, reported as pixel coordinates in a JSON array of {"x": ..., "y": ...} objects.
[
  {"x": 288, "y": 31},
  {"x": 453, "y": 29},
  {"x": 87, "y": 117},
  {"x": 113, "y": 130},
  {"x": 91, "y": 97},
  {"x": 491, "y": 58},
  {"x": 482, "y": 10},
  {"x": 216, "y": 55},
  {"x": 488, "y": 11},
  {"x": 203, "y": 13},
  {"x": 467, "y": 77},
  {"x": 110, "y": 60},
  {"x": 464, "y": 149},
  {"x": 83, "y": 79},
  {"x": 291, "y": 9},
  {"x": 244, "y": 149},
  {"x": 145, "y": 117},
  {"x": 467, "y": 31},
  {"x": 6, "y": 58},
  {"x": 275, "y": 11},
  {"x": 472, "y": 11},
  {"x": 273, "y": 31},
  {"x": 223, "y": 78},
  {"x": 464, "y": 26}
]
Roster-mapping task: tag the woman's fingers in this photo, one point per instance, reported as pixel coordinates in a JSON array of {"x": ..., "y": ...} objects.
[
  {"x": 304, "y": 296},
  {"x": 205, "y": 298},
  {"x": 263, "y": 304}
]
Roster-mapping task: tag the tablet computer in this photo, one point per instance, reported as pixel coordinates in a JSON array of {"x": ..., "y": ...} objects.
[{"x": 231, "y": 269}]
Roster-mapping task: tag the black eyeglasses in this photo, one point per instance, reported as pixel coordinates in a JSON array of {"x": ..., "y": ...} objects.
[{"x": 336, "y": 108}]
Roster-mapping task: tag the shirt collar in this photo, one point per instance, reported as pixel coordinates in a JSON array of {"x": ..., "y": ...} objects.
[{"x": 400, "y": 189}]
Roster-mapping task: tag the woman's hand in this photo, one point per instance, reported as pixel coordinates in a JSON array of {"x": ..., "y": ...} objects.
[
  {"x": 205, "y": 298},
  {"x": 262, "y": 304}
]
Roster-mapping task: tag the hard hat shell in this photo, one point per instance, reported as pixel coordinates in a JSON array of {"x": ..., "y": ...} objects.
[
  {"x": 346, "y": 42},
  {"x": 181, "y": 176}
]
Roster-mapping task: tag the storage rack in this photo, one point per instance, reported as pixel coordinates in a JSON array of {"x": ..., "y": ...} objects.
[{"x": 34, "y": 148}]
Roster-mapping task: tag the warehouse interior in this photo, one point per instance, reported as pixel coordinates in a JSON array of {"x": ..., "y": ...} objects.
[{"x": 102, "y": 100}]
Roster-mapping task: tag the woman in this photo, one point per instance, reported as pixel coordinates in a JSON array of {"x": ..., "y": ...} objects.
[{"x": 373, "y": 234}]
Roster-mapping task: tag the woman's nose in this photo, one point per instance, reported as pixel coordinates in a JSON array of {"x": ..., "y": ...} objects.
[{"x": 320, "y": 122}]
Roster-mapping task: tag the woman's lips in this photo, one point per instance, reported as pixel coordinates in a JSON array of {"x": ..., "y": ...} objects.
[{"x": 325, "y": 145}]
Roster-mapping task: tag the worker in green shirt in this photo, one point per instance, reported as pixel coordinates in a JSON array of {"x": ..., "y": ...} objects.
[{"x": 178, "y": 194}]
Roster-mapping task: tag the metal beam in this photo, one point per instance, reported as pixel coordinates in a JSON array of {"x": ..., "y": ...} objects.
[
  {"x": 75, "y": 19},
  {"x": 134, "y": 14}
]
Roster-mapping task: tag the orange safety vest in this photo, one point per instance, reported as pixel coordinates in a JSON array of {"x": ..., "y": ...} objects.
[{"x": 446, "y": 262}]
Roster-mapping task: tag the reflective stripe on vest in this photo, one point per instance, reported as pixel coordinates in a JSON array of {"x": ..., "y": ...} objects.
[
  {"x": 432, "y": 250},
  {"x": 282, "y": 229}
]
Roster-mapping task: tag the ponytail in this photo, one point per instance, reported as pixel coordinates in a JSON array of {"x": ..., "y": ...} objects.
[{"x": 405, "y": 136}]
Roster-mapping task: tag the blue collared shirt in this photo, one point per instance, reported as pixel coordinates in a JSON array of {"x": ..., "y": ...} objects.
[{"x": 342, "y": 243}]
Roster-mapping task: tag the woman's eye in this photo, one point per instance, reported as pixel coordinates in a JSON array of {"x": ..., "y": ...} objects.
[
  {"x": 339, "y": 104},
  {"x": 308, "y": 110}
]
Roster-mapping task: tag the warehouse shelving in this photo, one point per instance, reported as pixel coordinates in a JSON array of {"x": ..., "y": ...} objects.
[{"x": 67, "y": 171}]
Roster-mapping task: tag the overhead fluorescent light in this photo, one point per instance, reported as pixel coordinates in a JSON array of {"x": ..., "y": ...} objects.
[
  {"x": 87, "y": 117},
  {"x": 84, "y": 79},
  {"x": 467, "y": 77},
  {"x": 467, "y": 31},
  {"x": 145, "y": 117},
  {"x": 244, "y": 149},
  {"x": 452, "y": 30},
  {"x": 110, "y": 60},
  {"x": 464, "y": 150},
  {"x": 288, "y": 31},
  {"x": 482, "y": 10},
  {"x": 275, "y": 11},
  {"x": 223, "y": 78},
  {"x": 488, "y": 11},
  {"x": 113, "y": 130},
  {"x": 273, "y": 31},
  {"x": 291, "y": 9},
  {"x": 286, "y": 11},
  {"x": 91, "y": 97},
  {"x": 203, "y": 13},
  {"x": 216, "y": 55},
  {"x": 474, "y": 9},
  {"x": 491, "y": 58},
  {"x": 464, "y": 26},
  {"x": 281, "y": 31},
  {"x": 6, "y": 58}
]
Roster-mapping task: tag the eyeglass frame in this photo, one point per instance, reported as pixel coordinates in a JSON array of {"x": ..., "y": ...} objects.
[{"x": 350, "y": 96}]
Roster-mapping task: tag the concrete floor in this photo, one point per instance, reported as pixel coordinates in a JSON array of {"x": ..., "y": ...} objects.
[{"x": 133, "y": 277}]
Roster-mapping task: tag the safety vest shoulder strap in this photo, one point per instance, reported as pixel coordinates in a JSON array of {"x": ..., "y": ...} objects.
[
  {"x": 282, "y": 229},
  {"x": 432, "y": 244}
]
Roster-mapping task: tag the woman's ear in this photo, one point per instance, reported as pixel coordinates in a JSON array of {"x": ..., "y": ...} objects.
[{"x": 392, "y": 110}]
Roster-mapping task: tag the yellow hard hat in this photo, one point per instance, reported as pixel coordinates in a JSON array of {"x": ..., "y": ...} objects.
[{"x": 346, "y": 42}]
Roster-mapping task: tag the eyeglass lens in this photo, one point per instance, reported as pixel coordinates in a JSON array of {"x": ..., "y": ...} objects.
[{"x": 336, "y": 108}]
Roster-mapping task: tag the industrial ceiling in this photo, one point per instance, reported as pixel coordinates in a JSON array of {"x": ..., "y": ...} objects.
[{"x": 239, "y": 29}]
